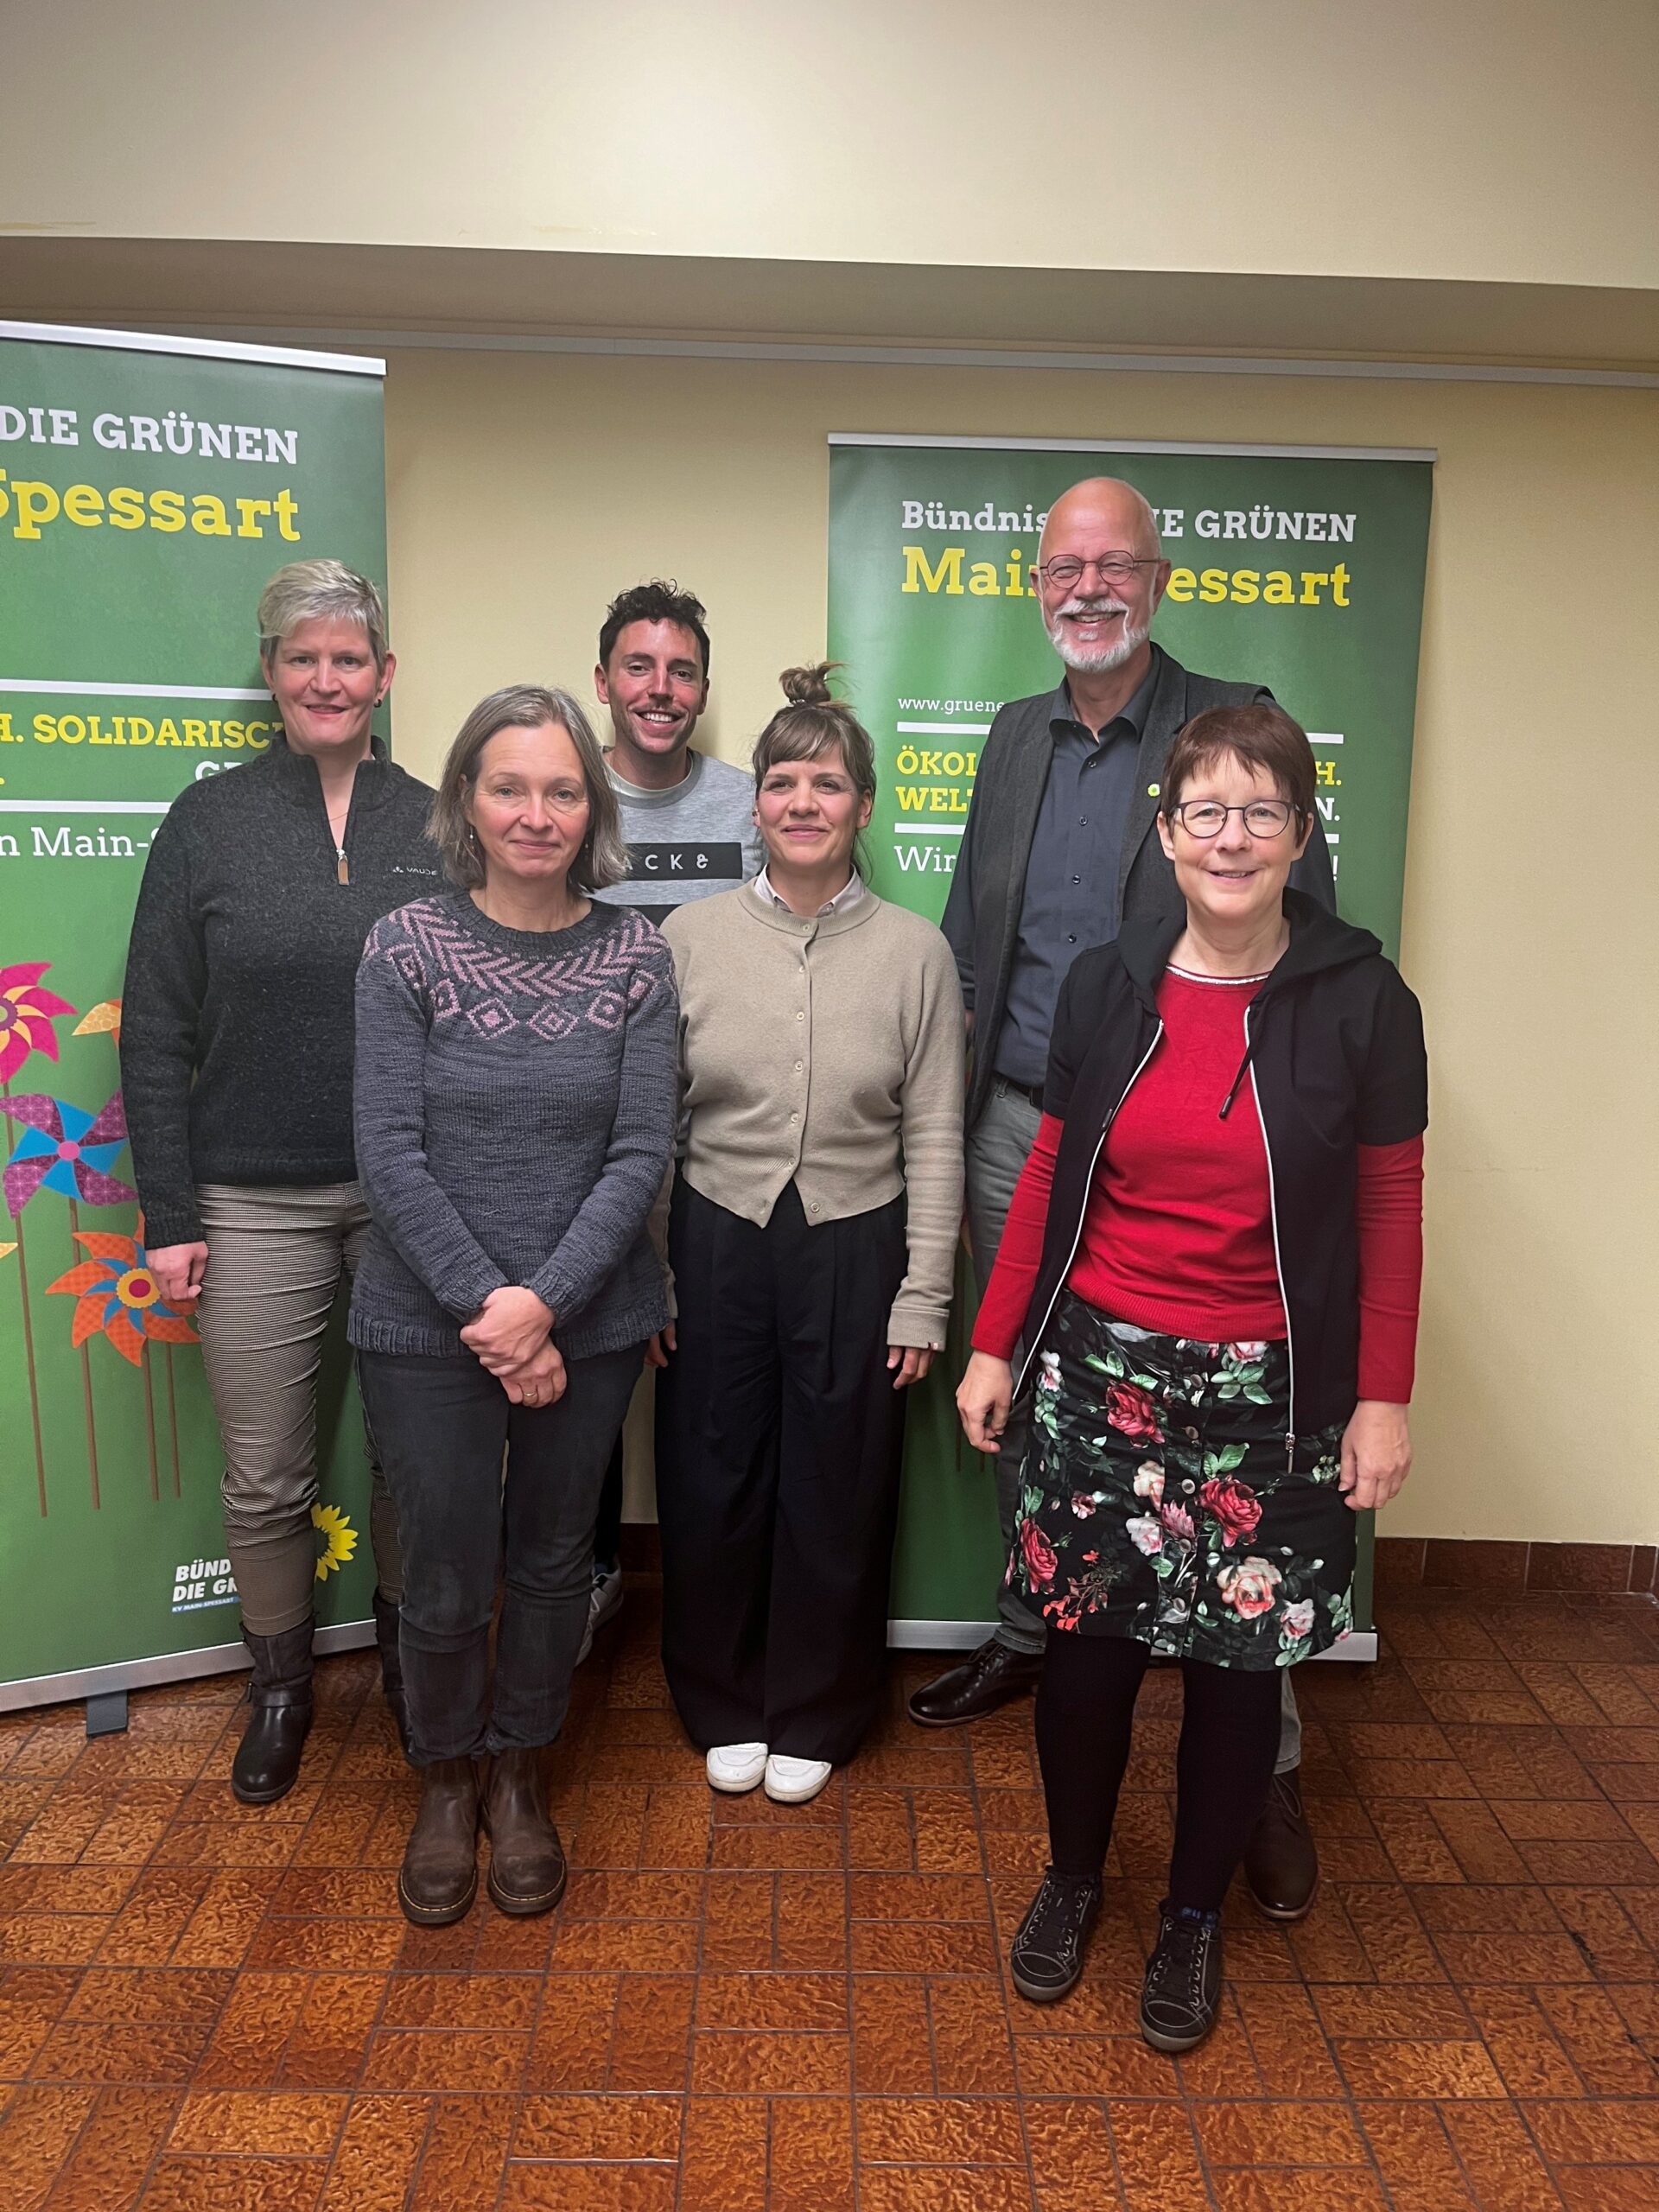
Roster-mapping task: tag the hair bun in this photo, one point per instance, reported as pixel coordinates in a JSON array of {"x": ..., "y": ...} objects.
[{"x": 809, "y": 687}]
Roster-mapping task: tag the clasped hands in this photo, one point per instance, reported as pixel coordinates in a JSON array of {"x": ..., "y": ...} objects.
[{"x": 511, "y": 1335}]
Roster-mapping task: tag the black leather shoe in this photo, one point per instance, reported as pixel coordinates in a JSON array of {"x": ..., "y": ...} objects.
[
  {"x": 438, "y": 1878},
  {"x": 1282, "y": 1864},
  {"x": 1181, "y": 1993},
  {"x": 1046, "y": 1957},
  {"x": 994, "y": 1674},
  {"x": 386, "y": 1622},
  {"x": 267, "y": 1763},
  {"x": 527, "y": 1866}
]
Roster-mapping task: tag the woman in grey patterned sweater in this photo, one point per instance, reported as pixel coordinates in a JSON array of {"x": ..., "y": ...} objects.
[{"x": 515, "y": 1105}]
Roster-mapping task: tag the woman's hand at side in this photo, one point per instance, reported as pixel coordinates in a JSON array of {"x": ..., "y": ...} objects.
[
  {"x": 178, "y": 1269},
  {"x": 909, "y": 1362},
  {"x": 983, "y": 1397},
  {"x": 1376, "y": 1452},
  {"x": 508, "y": 1328},
  {"x": 540, "y": 1381},
  {"x": 659, "y": 1346}
]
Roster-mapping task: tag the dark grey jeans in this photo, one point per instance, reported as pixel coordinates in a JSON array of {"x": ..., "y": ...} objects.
[{"x": 443, "y": 1427}]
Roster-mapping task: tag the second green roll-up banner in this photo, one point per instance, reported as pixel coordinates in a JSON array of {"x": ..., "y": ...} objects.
[
  {"x": 148, "y": 487},
  {"x": 1297, "y": 568}
]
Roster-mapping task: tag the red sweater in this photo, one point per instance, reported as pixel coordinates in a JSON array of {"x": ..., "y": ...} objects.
[{"x": 1178, "y": 1232}]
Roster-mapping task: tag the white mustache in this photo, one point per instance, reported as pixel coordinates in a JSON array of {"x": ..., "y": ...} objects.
[{"x": 1083, "y": 606}]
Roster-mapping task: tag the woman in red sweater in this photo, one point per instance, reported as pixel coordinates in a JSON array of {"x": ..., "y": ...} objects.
[{"x": 1212, "y": 1262}]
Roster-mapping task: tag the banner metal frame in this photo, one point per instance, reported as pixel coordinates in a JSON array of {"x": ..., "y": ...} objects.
[{"x": 212, "y": 349}]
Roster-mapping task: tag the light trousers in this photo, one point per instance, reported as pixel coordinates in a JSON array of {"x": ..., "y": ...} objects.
[{"x": 278, "y": 1258}]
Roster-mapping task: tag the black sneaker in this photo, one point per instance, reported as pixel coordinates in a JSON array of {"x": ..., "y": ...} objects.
[
  {"x": 1046, "y": 1957},
  {"x": 1182, "y": 1990}
]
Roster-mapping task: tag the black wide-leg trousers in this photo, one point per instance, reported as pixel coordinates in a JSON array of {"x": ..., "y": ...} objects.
[{"x": 779, "y": 1437}]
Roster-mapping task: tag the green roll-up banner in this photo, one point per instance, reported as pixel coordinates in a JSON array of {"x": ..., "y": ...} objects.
[
  {"x": 1295, "y": 567},
  {"x": 148, "y": 487}
]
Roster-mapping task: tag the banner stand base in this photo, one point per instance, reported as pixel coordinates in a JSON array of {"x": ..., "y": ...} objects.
[
  {"x": 106, "y": 1715},
  {"x": 967, "y": 1636},
  {"x": 97, "y": 1684}
]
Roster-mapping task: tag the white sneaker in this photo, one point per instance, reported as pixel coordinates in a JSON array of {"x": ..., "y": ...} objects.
[
  {"x": 735, "y": 1767},
  {"x": 794, "y": 1781},
  {"x": 604, "y": 1604}
]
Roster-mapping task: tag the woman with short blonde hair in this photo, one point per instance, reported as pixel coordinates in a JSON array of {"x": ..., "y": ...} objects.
[{"x": 236, "y": 1062}]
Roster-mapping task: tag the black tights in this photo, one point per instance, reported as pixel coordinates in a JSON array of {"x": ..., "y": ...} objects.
[{"x": 1229, "y": 1743}]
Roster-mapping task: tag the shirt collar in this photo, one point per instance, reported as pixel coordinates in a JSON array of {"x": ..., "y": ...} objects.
[
  {"x": 636, "y": 795},
  {"x": 1062, "y": 717},
  {"x": 848, "y": 895}
]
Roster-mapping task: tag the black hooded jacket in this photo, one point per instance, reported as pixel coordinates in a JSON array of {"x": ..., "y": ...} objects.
[{"x": 1336, "y": 1055}]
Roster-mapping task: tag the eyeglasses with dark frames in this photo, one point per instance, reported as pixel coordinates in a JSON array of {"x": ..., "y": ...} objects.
[
  {"x": 1207, "y": 818},
  {"x": 1065, "y": 571}
]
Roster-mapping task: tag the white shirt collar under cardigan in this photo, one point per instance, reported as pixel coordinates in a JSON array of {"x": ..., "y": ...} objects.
[{"x": 848, "y": 895}]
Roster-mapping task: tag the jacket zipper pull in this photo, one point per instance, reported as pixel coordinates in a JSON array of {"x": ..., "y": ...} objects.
[
  {"x": 1290, "y": 1454},
  {"x": 342, "y": 866}
]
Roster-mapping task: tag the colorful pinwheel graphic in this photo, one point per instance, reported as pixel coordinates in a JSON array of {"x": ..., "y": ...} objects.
[
  {"x": 27, "y": 1011},
  {"x": 66, "y": 1149},
  {"x": 117, "y": 1296},
  {"x": 104, "y": 1018}
]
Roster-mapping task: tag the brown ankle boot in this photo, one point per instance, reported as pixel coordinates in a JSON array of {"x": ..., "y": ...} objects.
[
  {"x": 527, "y": 1868},
  {"x": 439, "y": 1876}
]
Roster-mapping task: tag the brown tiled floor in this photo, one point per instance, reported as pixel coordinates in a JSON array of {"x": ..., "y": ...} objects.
[{"x": 743, "y": 2007}]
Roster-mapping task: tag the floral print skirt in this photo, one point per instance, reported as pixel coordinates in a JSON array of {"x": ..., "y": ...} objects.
[{"x": 1158, "y": 1505}]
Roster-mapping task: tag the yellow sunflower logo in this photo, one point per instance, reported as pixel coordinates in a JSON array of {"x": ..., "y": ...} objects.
[{"x": 339, "y": 1539}]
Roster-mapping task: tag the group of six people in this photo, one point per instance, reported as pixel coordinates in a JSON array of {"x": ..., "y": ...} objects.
[{"x": 602, "y": 1057}]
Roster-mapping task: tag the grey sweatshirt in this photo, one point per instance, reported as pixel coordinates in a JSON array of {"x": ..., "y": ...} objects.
[
  {"x": 515, "y": 1109},
  {"x": 688, "y": 843}
]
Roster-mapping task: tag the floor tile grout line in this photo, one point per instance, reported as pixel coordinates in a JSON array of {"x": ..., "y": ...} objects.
[
  {"x": 686, "y": 2089},
  {"x": 856, "y": 2175},
  {"x": 977, "y": 1809},
  {"x": 412, "y": 2187}
]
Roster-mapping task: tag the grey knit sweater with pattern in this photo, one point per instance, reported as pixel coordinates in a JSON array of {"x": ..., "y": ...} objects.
[{"x": 515, "y": 1109}]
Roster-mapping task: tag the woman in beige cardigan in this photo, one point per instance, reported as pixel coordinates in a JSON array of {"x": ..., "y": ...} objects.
[{"x": 811, "y": 1235}]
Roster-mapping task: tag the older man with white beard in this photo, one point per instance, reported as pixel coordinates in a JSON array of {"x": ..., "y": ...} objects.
[{"x": 1059, "y": 848}]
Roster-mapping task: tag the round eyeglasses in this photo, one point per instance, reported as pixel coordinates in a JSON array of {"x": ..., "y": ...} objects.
[
  {"x": 1065, "y": 571},
  {"x": 1207, "y": 818}
]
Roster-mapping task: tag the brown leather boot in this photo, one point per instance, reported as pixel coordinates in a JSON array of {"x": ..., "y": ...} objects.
[
  {"x": 439, "y": 1876},
  {"x": 527, "y": 1868},
  {"x": 1281, "y": 1861}
]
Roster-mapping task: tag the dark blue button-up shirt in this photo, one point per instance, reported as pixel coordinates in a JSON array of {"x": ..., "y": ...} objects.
[{"x": 1071, "y": 894}]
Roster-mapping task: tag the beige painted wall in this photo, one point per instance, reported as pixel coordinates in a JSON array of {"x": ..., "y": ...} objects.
[
  {"x": 1509, "y": 140},
  {"x": 526, "y": 489}
]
